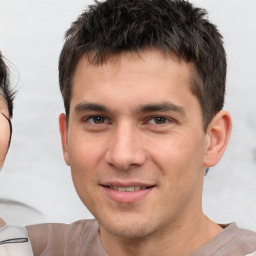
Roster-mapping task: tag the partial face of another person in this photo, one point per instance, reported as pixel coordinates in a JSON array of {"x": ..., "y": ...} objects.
[
  {"x": 4, "y": 130},
  {"x": 135, "y": 142}
]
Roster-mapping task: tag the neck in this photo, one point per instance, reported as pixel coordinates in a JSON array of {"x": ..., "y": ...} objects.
[{"x": 179, "y": 240}]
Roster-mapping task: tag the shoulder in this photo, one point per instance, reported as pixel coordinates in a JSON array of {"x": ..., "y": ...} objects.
[
  {"x": 232, "y": 240},
  {"x": 245, "y": 240},
  {"x": 54, "y": 238},
  {"x": 82, "y": 228},
  {"x": 238, "y": 241}
]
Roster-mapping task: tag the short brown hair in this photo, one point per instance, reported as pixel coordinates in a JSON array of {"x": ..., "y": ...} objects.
[{"x": 114, "y": 26}]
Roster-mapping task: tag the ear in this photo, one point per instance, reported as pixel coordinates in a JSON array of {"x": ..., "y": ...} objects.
[
  {"x": 64, "y": 136},
  {"x": 218, "y": 133}
]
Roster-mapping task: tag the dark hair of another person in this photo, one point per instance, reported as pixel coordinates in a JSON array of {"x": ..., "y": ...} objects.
[
  {"x": 111, "y": 27},
  {"x": 5, "y": 89}
]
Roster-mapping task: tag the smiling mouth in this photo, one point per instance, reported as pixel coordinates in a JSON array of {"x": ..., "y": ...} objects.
[
  {"x": 128, "y": 193},
  {"x": 128, "y": 189}
]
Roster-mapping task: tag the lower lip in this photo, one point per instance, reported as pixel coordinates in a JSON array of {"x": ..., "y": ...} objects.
[{"x": 127, "y": 197}]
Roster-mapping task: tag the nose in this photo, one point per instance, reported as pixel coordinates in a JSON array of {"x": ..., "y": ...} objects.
[{"x": 125, "y": 150}]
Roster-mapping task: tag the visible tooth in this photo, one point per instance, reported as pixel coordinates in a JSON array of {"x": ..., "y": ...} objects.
[{"x": 129, "y": 189}]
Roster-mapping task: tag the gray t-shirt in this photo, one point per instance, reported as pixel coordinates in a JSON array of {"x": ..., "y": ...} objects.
[{"x": 82, "y": 238}]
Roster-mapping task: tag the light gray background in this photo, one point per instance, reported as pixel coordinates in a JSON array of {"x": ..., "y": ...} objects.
[{"x": 31, "y": 36}]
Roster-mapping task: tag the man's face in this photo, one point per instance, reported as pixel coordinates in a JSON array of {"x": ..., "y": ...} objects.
[{"x": 135, "y": 142}]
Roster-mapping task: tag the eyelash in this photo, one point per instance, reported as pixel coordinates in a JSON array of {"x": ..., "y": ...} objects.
[
  {"x": 155, "y": 119},
  {"x": 87, "y": 119},
  {"x": 162, "y": 119}
]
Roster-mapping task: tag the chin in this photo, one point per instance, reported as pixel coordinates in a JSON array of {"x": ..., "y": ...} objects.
[{"x": 130, "y": 229}]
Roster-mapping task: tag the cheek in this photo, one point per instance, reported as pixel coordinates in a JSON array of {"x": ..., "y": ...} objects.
[
  {"x": 4, "y": 141},
  {"x": 180, "y": 165},
  {"x": 85, "y": 162},
  {"x": 178, "y": 156},
  {"x": 85, "y": 156}
]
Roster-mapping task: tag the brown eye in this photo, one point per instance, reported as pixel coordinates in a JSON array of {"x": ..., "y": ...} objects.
[
  {"x": 98, "y": 119},
  {"x": 160, "y": 120}
]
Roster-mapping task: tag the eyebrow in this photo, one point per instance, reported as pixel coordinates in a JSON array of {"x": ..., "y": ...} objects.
[
  {"x": 155, "y": 107},
  {"x": 88, "y": 106},
  {"x": 166, "y": 106}
]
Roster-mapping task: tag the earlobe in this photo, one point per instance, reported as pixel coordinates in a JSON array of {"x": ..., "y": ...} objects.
[
  {"x": 64, "y": 136},
  {"x": 218, "y": 133}
]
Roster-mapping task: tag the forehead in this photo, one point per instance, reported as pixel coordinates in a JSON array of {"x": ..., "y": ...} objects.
[
  {"x": 147, "y": 56},
  {"x": 139, "y": 76}
]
